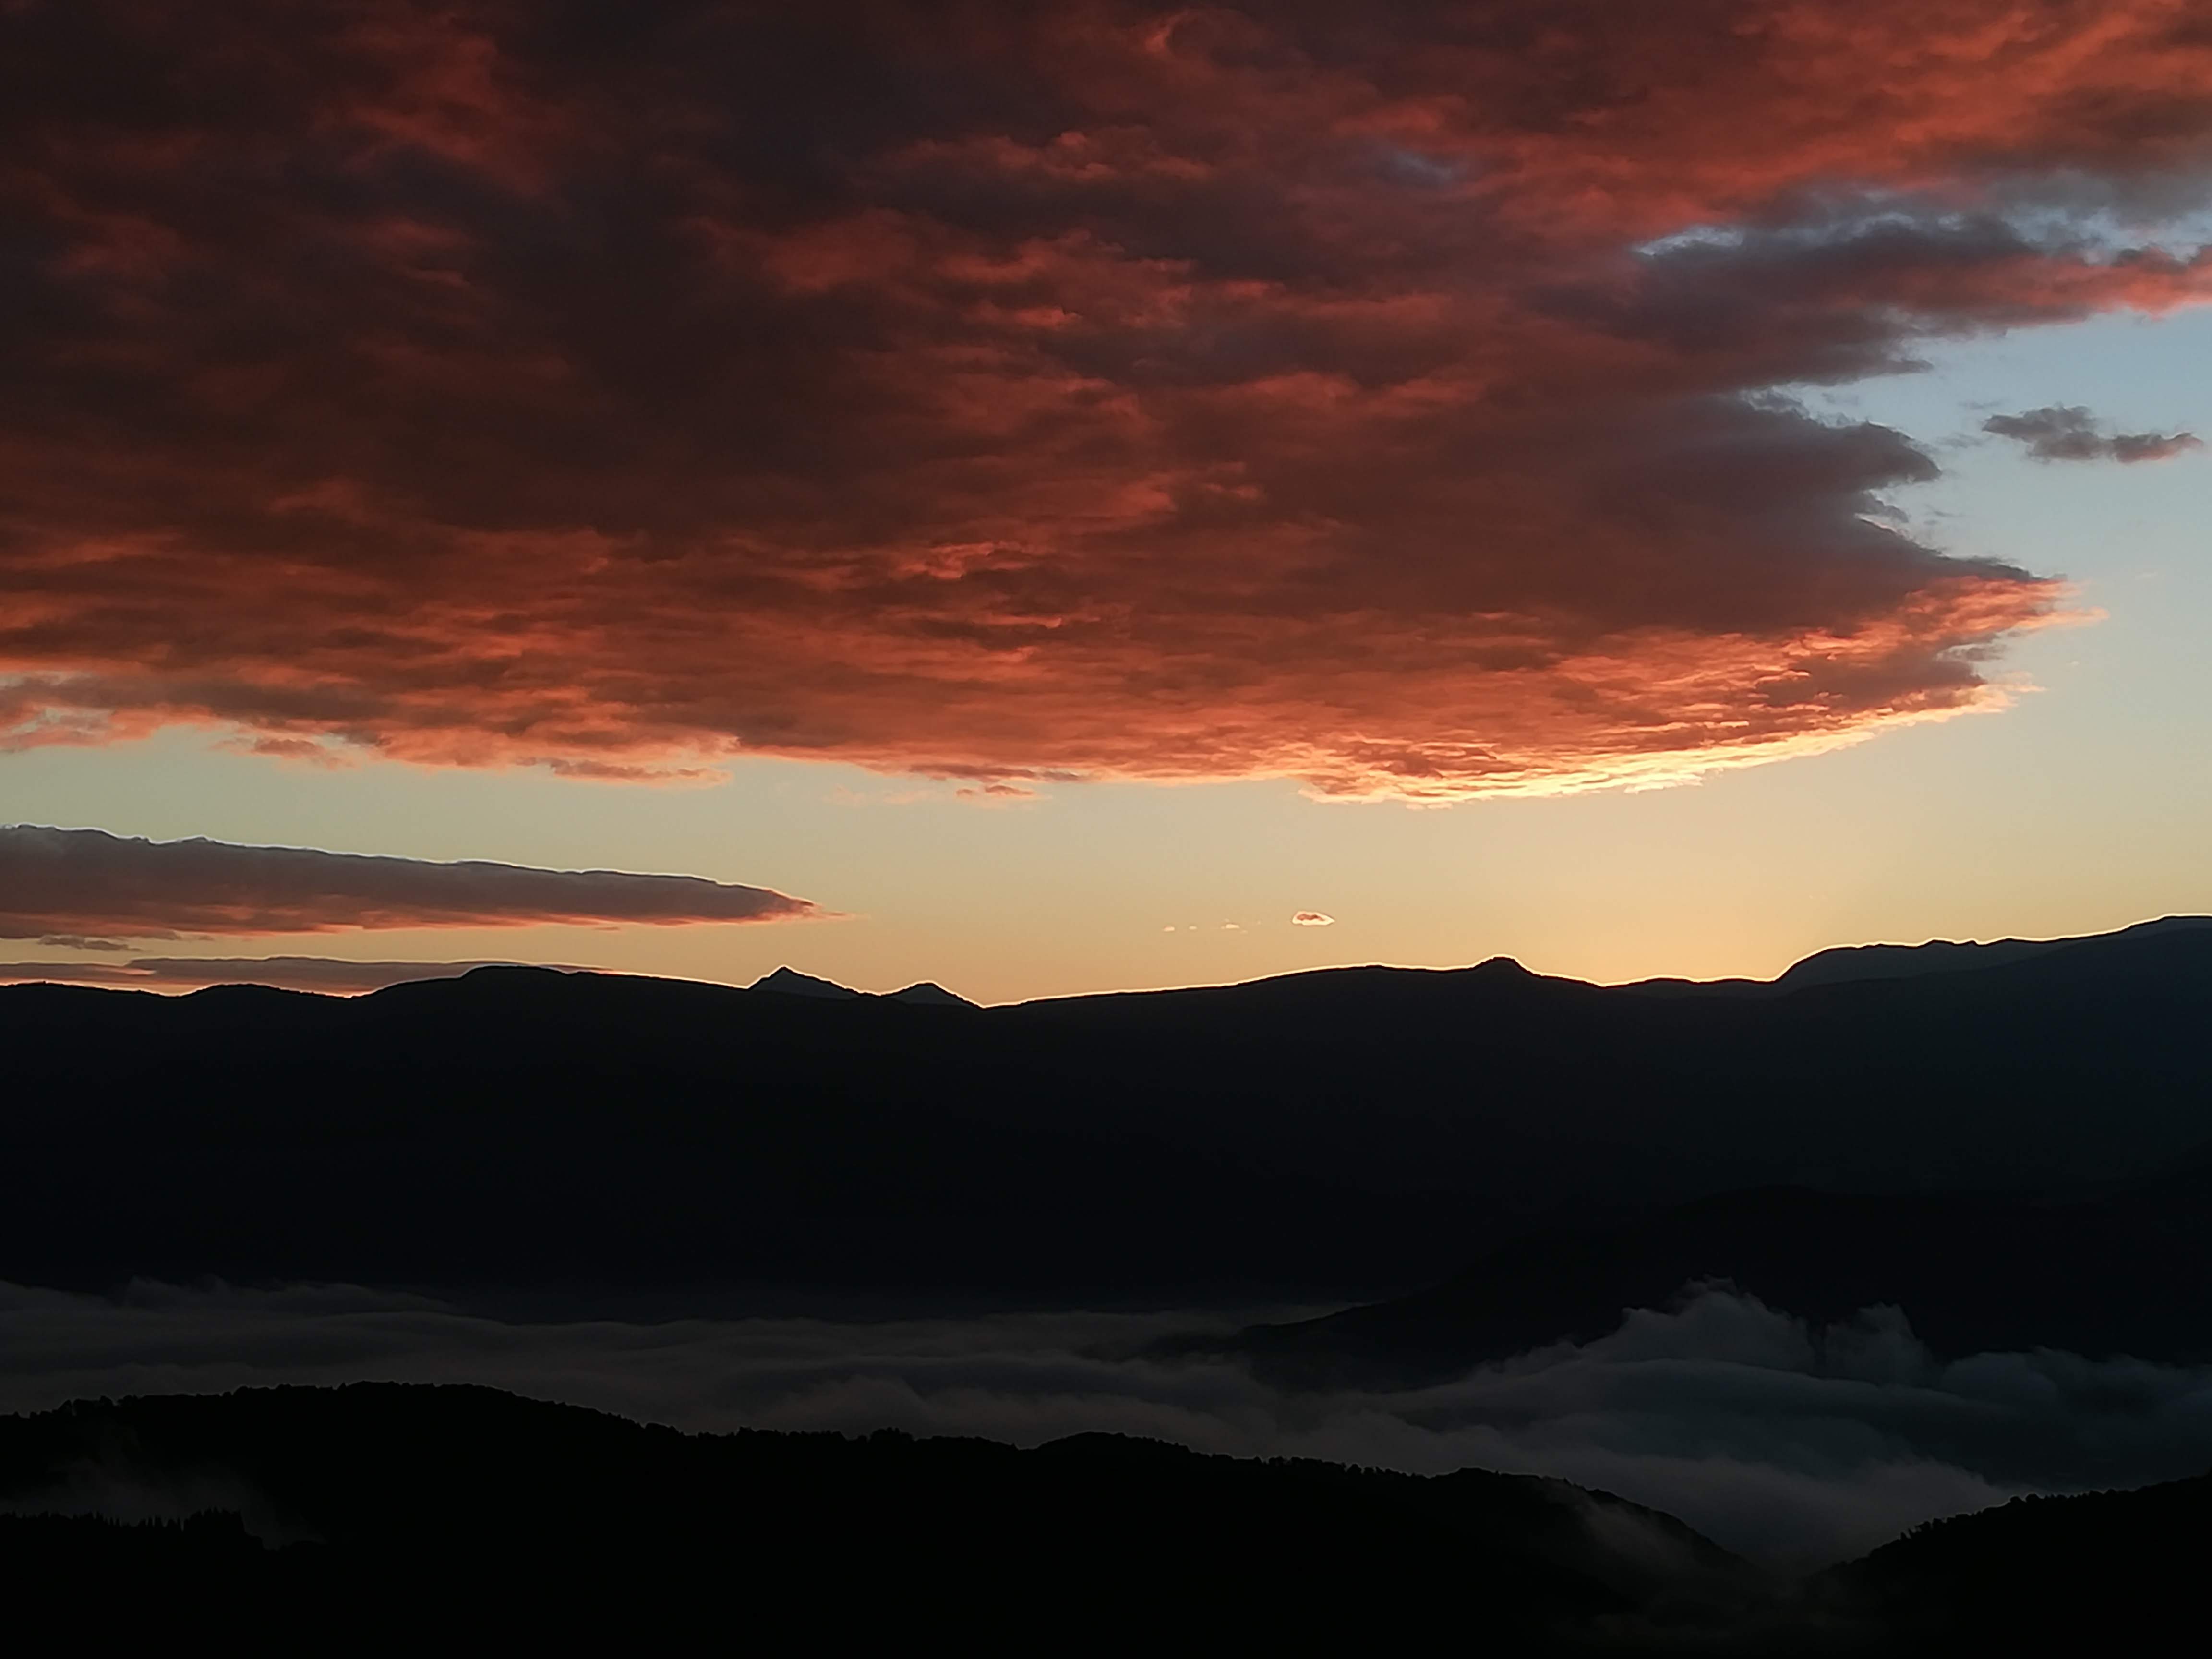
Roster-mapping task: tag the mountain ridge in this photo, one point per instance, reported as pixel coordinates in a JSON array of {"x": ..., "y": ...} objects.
[
  {"x": 1834, "y": 965},
  {"x": 1839, "y": 964},
  {"x": 1348, "y": 1131}
]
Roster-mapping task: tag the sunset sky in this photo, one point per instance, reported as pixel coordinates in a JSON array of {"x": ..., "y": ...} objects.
[{"x": 1037, "y": 497}]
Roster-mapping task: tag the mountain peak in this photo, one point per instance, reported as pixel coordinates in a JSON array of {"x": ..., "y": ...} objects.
[
  {"x": 929, "y": 994},
  {"x": 1502, "y": 968},
  {"x": 790, "y": 982}
]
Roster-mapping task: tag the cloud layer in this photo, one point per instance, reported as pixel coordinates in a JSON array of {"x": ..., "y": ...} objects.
[
  {"x": 329, "y": 974},
  {"x": 85, "y": 888},
  {"x": 2071, "y": 433},
  {"x": 1380, "y": 397},
  {"x": 1776, "y": 1441}
]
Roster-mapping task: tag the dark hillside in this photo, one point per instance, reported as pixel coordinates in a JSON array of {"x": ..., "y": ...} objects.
[
  {"x": 397, "y": 1509},
  {"x": 354, "y": 1519},
  {"x": 2100, "y": 1572}
]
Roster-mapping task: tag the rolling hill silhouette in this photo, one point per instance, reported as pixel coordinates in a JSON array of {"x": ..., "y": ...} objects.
[
  {"x": 397, "y": 1511},
  {"x": 2095, "y": 1571},
  {"x": 350, "y": 1519},
  {"x": 1355, "y": 1130}
]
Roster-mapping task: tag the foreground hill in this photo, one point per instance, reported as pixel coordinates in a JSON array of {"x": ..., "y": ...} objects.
[
  {"x": 2100, "y": 1572},
  {"x": 390, "y": 1511},
  {"x": 1353, "y": 1129},
  {"x": 354, "y": 1519}
]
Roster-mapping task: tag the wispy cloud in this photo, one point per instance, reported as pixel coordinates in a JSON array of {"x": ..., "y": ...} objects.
[{"x": 2071, "y": 433}]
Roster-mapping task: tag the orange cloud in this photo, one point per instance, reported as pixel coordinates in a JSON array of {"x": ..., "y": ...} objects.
[{"x": 1094, "y": 390}]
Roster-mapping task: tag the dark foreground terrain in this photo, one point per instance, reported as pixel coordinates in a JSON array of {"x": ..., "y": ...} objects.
[
  {"x": 357, "y": 1517},
  {"x": 377, "y": 1511}
]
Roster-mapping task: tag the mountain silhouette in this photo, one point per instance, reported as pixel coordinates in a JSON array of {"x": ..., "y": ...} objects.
[
  {"x": 790, "y": 982},
  {"x": 1353, "y": 1132},
  {"x": 1844, "y": 963},
  {"x": 1859, "y": 962},
  {"x": 930, "y": 995}
]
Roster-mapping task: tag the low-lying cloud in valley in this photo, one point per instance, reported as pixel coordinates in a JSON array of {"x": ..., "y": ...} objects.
[
  {"x": 81, "y": 889},
  {"x": 1792, "y": 1445}
]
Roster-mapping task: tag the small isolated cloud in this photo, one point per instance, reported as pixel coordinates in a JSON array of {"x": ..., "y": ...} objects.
[
  {"x": 309, "y": 751},
  {"x": 1232, "y": 928},
  {"x": 1312, "y": 918},
  {"x": 329, "y": 974},
  {"x": 995, "y": 794},
  {"x": 2071, "y": 433},
  {"x": 75, "y": 884}
]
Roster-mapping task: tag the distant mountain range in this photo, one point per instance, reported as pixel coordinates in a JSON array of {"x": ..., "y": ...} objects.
[
  {"x": 359, "y": 1518},
  {"x": 1347, "y": 1133},
  {"x": 1838, "y": 965},
  {"x": 1844, "y": 963}
]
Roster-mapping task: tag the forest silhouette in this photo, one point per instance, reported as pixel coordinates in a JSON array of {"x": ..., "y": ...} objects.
[{"x": 362, "y": 1515}]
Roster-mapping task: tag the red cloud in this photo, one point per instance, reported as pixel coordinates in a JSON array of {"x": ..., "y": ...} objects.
[
  {"x": 1369, "y": 395},
  {"x": 88, "y": 889}
]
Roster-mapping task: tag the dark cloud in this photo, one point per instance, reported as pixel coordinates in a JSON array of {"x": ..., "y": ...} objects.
[
  {"x": 325, "y": 974},
  {"x": 87, "y": 883},
  {"x": 1778, "y": 1441},
  {"x": 2071, "y": 433},
  {"x": 1313, "y": 918},
  {"x": 1093, "y": 387}
]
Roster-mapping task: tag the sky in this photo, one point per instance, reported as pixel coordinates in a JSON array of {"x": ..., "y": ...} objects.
[{"x": 1037, "y": 499}]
